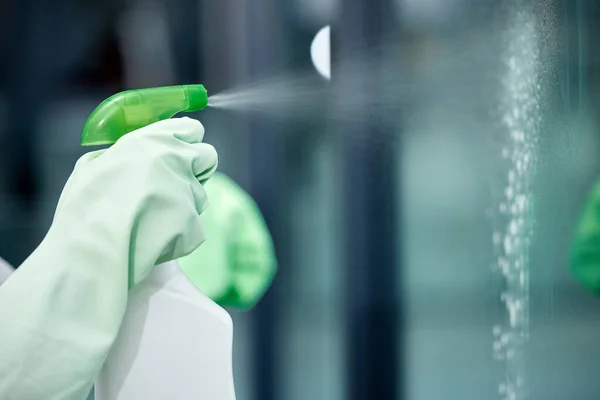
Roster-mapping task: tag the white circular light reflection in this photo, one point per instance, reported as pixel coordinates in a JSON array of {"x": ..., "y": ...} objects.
[{"x": 320, "y": 52}]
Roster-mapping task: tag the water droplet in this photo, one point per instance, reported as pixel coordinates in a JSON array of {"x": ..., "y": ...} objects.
[
  {"x": 509, "y": 192},
  {"x": 516, "y": 243},
  {"x": 519, "y": 166},
  {"x": 496, "y": 238},
  {"x": 518, "y": 136},
  {"x": 520, "y": 201},
  {"x": 508, "y": 245}
]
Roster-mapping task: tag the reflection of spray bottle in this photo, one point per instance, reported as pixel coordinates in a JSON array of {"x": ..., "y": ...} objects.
[{"x": 174, "y": 343}]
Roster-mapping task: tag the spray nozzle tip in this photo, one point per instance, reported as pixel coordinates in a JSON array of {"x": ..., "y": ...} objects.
[{"x": 198, "y": 97}]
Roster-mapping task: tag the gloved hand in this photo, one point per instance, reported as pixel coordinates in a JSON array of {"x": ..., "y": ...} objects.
[
  {"x": 585, "y": 253},
  {"x": 237, "y": 263},
  {"x": 5, "y": 271},
  {"x": 121, "y": 212}
]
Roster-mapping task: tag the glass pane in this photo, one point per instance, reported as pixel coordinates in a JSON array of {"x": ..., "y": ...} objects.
[{"x": 425, "y": 203}]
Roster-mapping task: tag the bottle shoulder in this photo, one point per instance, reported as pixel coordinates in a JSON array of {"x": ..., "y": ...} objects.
[{"x": 168, "y": 291}]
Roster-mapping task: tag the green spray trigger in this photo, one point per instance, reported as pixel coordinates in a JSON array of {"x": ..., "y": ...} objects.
[{"x": 133, "y": 109}]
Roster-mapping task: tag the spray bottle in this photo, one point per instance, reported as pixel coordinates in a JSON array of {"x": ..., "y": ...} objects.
[{"x": 174, "y": 343}]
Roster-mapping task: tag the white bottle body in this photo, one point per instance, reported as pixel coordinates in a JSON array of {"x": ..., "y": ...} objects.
[{"x": 175, "y": 343}]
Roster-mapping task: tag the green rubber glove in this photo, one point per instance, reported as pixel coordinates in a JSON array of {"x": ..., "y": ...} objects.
[
  {"x": 585, "y": 254},
  {"x": 237, "y": 263},
  {"x": 121, "y": 212},
  {"x": 5, "y": 271}
]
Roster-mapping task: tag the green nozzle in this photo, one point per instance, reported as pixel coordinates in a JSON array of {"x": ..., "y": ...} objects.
[{"x": 133, "y": 109}]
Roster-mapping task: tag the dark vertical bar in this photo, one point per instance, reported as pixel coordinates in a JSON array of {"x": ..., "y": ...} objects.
[
  {"x": 576, "y": 71},
  {"x": 266, "y": 187},
  {"x": 263, "y": 187},
  {"x": 582, "y": 49},
  {"x": 370, "y": 216},
  {"x": 183, "y": 19},
  {"x": 567, "y": 89},
  {"x": 28, "y": 63},
  {"x": 26, "y": 81}
]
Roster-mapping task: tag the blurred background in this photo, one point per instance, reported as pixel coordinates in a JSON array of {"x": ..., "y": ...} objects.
[{"x": 383, "y": 223}]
